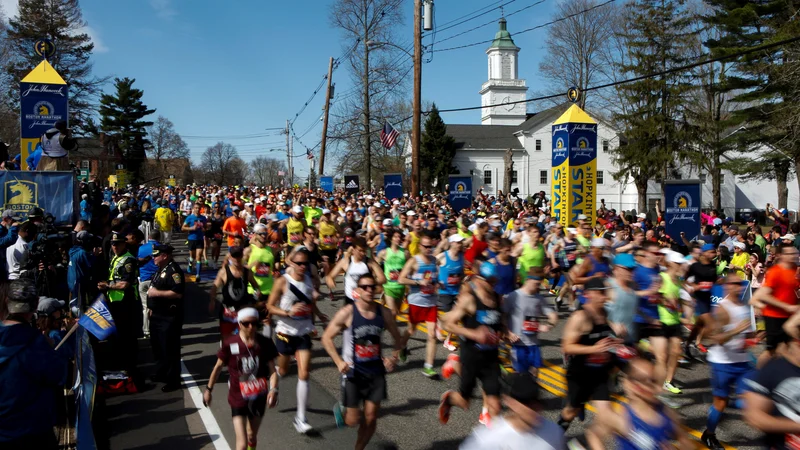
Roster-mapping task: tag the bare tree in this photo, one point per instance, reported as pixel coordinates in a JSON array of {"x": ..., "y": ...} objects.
[
  {"x": 265, "y": 171},
  {"x": 221, "y": 164},
  {"x": 367, "y": 27},
  {"x": 167, "y": 145},
  {"x": 9, "y": 118},
  {"x": 574, "y": 47}
]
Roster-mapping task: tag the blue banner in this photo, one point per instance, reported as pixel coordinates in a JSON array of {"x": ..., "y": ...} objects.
[
  {"x": 98, "y": 320},
  {"x": 85, "y": 386},
  {"x": 54, "y": 192},
  {"x": 460, "y": 192},
  {"x": 326, "y": 184},
  {"x": 41, "y": 106},
  {"x": 682, "y": 209},
  {"x": 393, "y": 186}
]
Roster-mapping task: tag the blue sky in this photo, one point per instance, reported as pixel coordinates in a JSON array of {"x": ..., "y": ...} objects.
[{"x": 236, "y": 67}]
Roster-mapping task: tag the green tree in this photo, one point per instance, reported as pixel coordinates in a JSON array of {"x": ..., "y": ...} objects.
[
  {"x": 658, "y": 38},
  {"x": 62, "y": 22},
  {"x": 766, "y": 84},
  {"x": 437, "y": 150},
  {"x": 121, "y": 116}
]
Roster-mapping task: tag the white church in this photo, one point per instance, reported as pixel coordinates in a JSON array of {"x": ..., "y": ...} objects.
[{"x": 481, "y": 148}]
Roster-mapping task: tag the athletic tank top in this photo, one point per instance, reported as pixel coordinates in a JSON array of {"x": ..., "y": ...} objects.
[
  {"x": 393, "y": 264},
  {"x": 299, "y": 324},
  {"x": 644, "y": 436},
  {"x": 381, "y": 245},
  {"x": 595, "y": 361},
  {"x": 451, "y": 274},
  {"x": 234, "y": 296},
  {"x": 486, "y": 316},
  {"x": 733, "y": 351},
  {"x": 351, "y": 276},
  {"x": 327, "y": 236},
  {"x": 262, "y": 272},
  {"x": 506, "y": 277},
  {"x": 413, "y": 245},
  {"x": 532, "y": 256},
  {"x": 570, "y": 252},
  {"x": 478, "y": 246},
  {"x": 424, "y": 296},
  {"x": 361, "y": 344},
  {"x": 294, "y": 231},
  {"x": 600, "y": 266}
]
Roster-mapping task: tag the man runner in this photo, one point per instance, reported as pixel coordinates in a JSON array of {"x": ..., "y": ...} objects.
[
  {"x": 260, "y": 260},
  {"x": 394, "y": 259}
]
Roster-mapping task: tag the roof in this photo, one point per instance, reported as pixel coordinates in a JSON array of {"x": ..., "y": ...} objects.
[
  {"x": 575, "y": 115},
  {"x": 44, "y": 73},
  {"x": 485, "y": 136},
  {"x": 503, "y": 38},
  {"x": 544, "y": 117}
]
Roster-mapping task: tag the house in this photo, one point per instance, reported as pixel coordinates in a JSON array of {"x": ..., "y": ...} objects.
[{"x": 100, "y": 156}]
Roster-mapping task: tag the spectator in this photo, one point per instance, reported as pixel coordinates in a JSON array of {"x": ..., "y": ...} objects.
[
  {"x": 8, "y": 236},
  {"x": 164, "y": 221},
  {"x": 33, "y": 159},
  {"x": 56, "y": 142},
  {"x": 17, "y": 254},
  {"x": 86, "y": 208},
  {"x": 147, "y": 268},
  {"x": 50, "y": 321},
  {"x": 30, "y": 373},
  {"x": 79, "y": 273}
]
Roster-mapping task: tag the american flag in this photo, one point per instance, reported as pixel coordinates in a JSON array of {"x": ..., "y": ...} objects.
[
  {"x": 388, "y": 136},
  {"x": 281, "y": 173},
  {"x": 309, "y": 155}
]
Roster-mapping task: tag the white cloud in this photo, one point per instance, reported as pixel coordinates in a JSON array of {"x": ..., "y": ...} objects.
[
  {"x": 164, "y": 9},
  {"x": 99, "y": 46}
]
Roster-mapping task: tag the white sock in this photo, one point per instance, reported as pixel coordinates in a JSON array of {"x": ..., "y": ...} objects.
[
  {"x": 485, "y": 410},
  {"x": 428, "y": 366},
  {"x": 302, "y": 399}
]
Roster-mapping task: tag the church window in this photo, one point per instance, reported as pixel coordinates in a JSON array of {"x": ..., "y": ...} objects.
[
  {"x": 543, "y": 177},
  {"x": 599, "y": 177},
  {"x": 505, "y": 63},
  {"x": 513, "y": 177},
  {"x": 703, "y": 178},
  {"x": 721, "y": 178},
  {"x": 487, "y": 177},
  {"x": 605, "y": 145},
  {"x": 538, "y": 145}
]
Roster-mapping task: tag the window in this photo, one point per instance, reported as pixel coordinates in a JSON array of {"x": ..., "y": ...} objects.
[
  {"x": 703, "y": 178},
  {"x": 538, "y": 145},
  {"x": 84, "y": 164},
  {"x": 487, "y": 177},
  {"x": 513, "y": 177},
  {"x": 599, "y": 177},
  {"x": 721, "y": 178},
  {"x": 543, "y": 175},
  {"x": 605, "y": 146}
]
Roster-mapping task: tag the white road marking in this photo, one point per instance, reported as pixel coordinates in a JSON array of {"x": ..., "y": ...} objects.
[{"x": 212, "y": 427}]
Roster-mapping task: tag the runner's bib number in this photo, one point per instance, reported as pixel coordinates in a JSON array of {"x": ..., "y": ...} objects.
[
  {"x": 252, "y": 389},
  {"x": 296, "y": 238},
  {"x": 263, "y": 270},
  {"x": 427, "y": 290},
  {"x": 229, "y": 315},
  {"x": 327, "y": 240},
  {"x": 530, "y": 326},
  {"x": 365, "y": 350},
  {"x": 453, "y": 280},
  {"x": 705, "y": 286},
  {"x": 394, "y": 275},
  {"x": 303, "y": 313},
  {"x": 792, "y": 442},
  {"x": 598, "y": 359}
]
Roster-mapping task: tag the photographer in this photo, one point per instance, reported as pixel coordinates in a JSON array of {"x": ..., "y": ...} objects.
[
  {"x": 17, "y": 254},
  {"x": 8, "y": 236},
  {"x": 56, "y": 142}
]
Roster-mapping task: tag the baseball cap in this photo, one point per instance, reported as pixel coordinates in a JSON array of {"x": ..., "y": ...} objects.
[
  {"x": 297, "y": 209},
  {"x": 788, "y": 236},
  {"x": 455, "y": 238},
  {"x": 326, "y": 211},
  {"x": 387, "y": 222},
  {"x": 8, "y": 214},
  {"x": 625, "y": 260},
  {"x": 676, "y": 258},
  {"x": 598, "y": 242},
  {"x": 739, "y": 245},
  {"x": 411, "y": 213},
  {"x": 234, "y": 208},
  {"x": 708, "y": 247},
  {"x": 48, "y": 305},
  {"x": 595, "y": 284},
  {"x": 582, "y": 217},
  {"x": 83, "y": 236},
  {"x": 641, "y": 216}
]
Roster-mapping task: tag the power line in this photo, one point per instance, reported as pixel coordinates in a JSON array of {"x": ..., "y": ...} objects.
[
  {"x": 473, "y": 12},
  {"x": 547, "y": 24},
  {"x": 230, "y": 137},
  {"x": 476, "y": 16},
  {"x": 491, "y": 22}
]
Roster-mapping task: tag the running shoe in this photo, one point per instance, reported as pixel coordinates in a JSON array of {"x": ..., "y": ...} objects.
[
  {"x": 338, "y": 415},
  {"x": 671, "y": 388},
  {"x": 485, "y": 418},
  {"x": 683, "y": 360},
  {"x": 710, "y": 441},
  {"x": 302, "y": 426},
  {"x": 702, "y": 348},
  {"x": 404, "y": 355},
  {"x": 444, "y": 408},
  {"x": 644, "y": 345},
  {"x": 449, "y": 346},
  {"x": 553, "y": 292},
  {"x": 429, "y": 372},
  {"x": 447, "y": 367},
  {"x": 668, "y": 402}
]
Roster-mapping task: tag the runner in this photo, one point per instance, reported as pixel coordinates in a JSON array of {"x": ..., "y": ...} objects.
[
  {"x": 249, "y": 358},
  {"x": 478, "y": 309},
  {"x": 292, "y": 303},
  {"x": 506, "y": 268},
  {"x": 451, "y": 274},
  {"x": 700, "y": 279},
  {"x": 643, "y": 423},
  {"x": 393, "y": 259},
  {"x": 667, "y": 348},
  {"x": 329, "y": 241},
  {"x": 295, "y": 226},
  {"x": 595, "y": 265},
  {"x": 260, "y": 260},
  {"x": 195, "y": 224},
  {"x": 231, "y": 280},
  {"x": 729, "y": 358},
  {"x": 354, "y": 264},
  {"x": 361, "y": 363},
  {"x": 215, "y": 234},
  {"x": 587, "y": 343}
]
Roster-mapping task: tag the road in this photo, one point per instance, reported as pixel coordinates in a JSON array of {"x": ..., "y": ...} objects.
[{"x": 408, "y": 419}]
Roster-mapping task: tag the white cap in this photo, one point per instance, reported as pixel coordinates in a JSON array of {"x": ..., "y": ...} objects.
[
  {"x": 641, "y": 216},
  {"x": 326, "y": 211},
  {"x": 473, "y": 227},
  {"x": 665, "y": 251},
  {"x": 348, "y": 209},
  {"x": 739, "y": 245},
  {"x": 377, "y": 205},
  {"x": 788, "y": 236},
  {"x": 676, "y": 258},
  {"x": 247, "y": 313},
  {"x": 494, "y": 216},
  {"x": 297, "y": 209},
  {"x": 396, "y": 202},
  {"x": 582, "y": 217},
  {"x": 411, "y": 213},
  {"x": 248, "y": 204},
  {"x": 572, "y": 230},
  {"x": 387, "y": 222},
  {"x": 258, "y": 200},
  {"x": 598, "y": 242},
  {"x": 455, "y": 238},
  {"x": 369, "y": 197}
]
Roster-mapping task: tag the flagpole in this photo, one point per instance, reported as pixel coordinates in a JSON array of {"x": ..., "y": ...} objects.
[{"x": 66, "y": 336}]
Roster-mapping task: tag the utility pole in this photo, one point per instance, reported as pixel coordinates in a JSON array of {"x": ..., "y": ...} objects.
[
  {"x": 291, "y": 159},
  {"x": 365, "y": 80},
  {"x": 325, "y": 121},
  {"x": 416, "y": 182},
  {"x": 288, "y": 155}
]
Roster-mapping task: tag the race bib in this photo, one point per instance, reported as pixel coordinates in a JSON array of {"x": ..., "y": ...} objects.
[
  {"x": 366, "y": 350},
  {"x": 453, "y": 280},
  {"x": 327, "y": 240},
  {"x": 296, "y": 238},
  {"x": 653, "y": 299},
  {"x": 626, "y": 353},
  {"x": 263, "y": 270},
  {"x": 229, "y": 315},
  {"x": 705, "y": 286},
  {"x": 598, "y": 359},
  {"x": 792, "y": 442},
  {"x": 530, "y": 325},
  {"x": 394, "y": 275},
  {"x": 252, "y": 389},
  {"x": 428, "y": 290},
  {"x": 571, "y": 256},
  {"x": 303, "y": 313},
  {"x": 491, "y": 342},
  {"x": 217, "y": 236}
]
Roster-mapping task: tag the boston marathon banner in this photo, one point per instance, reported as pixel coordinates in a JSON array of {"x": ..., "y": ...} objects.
[
  {"x": 44, "y": 100},
  {"x": 682, "y": 208},
  {"x": 460, "y": 192},
  {"x": 393, "y": 186},
  {"x": 54, "y": 192},
  {"x": 351, "y": 184},
  {"x": 326, "y": 184},
  {"x": 574, "y": 167}
]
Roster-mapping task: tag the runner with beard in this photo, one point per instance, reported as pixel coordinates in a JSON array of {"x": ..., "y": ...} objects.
[
  {"x": 292, "y": 304},
  {"x": 260, "y": 260},
  {"x": 393, "y": 259},
  {"x": 232, "y": 280},
  {"x": 478, "y": 311}
]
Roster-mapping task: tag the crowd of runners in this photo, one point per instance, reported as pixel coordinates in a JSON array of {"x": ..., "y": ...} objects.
[{"x": 484, "y": 283}]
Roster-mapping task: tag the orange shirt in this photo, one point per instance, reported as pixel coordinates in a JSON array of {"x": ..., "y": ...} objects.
[
  {"x": 234, "y": 225},
  {"x": 784, "y": 284}
]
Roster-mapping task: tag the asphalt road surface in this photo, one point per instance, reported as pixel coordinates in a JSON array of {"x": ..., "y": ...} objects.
[{"x": 408, "y": 419}]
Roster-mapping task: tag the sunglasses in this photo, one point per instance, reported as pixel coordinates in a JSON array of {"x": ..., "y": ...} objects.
[
  {"x": 261, "y": 234},
  {"x": 367, "y": 286},
  {"x": 248, "y": 324},
  {"x": 427, "y": 246},
  {"x": 300, "y": 263}
]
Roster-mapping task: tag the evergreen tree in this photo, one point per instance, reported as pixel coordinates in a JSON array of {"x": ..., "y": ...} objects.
[
  {"x": 658, "y": 38},
  {"x": 60, "y": 21},
  {"x": 121, "y": 117},
  {"x": 766, "y": 84},
  {"x": 437, "y": 150}
]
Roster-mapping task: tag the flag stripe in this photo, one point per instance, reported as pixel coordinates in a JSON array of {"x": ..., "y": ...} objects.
[{"x": 388, "y": 136}]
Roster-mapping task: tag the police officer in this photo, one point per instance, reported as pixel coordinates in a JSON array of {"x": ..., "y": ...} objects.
[
  {"x": 165, "y": 302},
  {"x": 122, "y": 290}
]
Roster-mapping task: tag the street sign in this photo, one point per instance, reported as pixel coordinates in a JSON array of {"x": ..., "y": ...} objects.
[
  {"x": 84, "y": 175},
  {"x": 44, "y": 48}
]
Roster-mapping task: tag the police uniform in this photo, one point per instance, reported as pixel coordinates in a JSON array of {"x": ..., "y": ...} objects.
[
  {"x": 167, "y": 320},
  {"x": 125, "y": 307}
]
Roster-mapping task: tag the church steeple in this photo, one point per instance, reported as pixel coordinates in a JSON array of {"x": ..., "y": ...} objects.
[{"x": 503, "y": 85}]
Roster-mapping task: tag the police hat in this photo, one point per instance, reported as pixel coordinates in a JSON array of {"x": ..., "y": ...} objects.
[
  {"x": 117, "y": 237},
  {"x": 162, "y": 248},
  {"x": 36, "y": 213}
]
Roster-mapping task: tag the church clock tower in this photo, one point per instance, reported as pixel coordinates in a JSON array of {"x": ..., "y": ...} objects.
[{"x": 503, "y": 85}]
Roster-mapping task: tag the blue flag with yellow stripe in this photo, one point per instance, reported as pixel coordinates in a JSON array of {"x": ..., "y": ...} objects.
[{"x": 97, "y": 320}]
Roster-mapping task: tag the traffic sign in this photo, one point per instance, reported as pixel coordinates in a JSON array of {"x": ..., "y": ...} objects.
[{"x": 84, "y": 175}]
